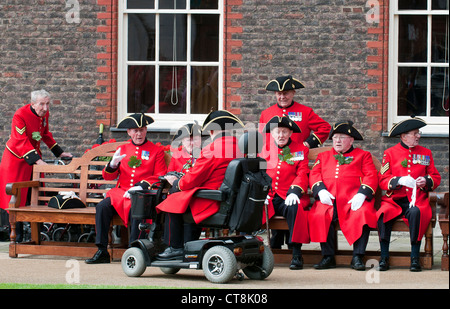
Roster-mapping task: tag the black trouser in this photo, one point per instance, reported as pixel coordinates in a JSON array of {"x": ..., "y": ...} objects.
[
  {"x": 385, "y": 228},
  {"x": 329, "y": 247},
  {"x": 176, "y": 232},
  {"x": 290, "y": 214},
  {"x": 103, "y": 217}
]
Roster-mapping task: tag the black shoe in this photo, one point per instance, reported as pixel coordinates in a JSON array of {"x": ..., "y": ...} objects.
[
  {"x": 384, "y": 264},
  {"x": 326, "y": 262},
  {"x": 357, "y": 263},
  {"x": 415, "y": 264},
  {"x": 100, "y": 257},
  {"x": 296, "y": 263},
  {"x": 171, "y": 254}
]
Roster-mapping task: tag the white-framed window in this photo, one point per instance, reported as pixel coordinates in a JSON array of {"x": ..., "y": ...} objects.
[
  {"x": 170, "y": 60},
  {"x": 419, "y": 63}
]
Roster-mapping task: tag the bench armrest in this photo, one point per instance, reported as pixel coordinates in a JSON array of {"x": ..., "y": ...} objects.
[
  {"x": 215, "y": 195},
  {"x": 14, "y": 190},
  {"x": 14, "y": 187}
]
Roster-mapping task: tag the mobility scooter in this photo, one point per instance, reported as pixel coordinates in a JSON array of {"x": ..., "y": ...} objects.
[{"x": 241, "y": 208}]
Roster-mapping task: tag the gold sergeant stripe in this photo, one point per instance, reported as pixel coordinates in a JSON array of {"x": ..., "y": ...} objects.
[
  {"x": 21, "y": 131},
  {"x": 384, "y": 168}
]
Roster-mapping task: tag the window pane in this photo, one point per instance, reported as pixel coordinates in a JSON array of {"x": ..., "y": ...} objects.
[
  {"x": 172, "y": 4},
  {"x": 140, "y": 4},
  {"x": 439, "y": 5},
  {"x": 172, "y": 89},
  {"x": 173, "y": 37},
  {"x": 439, "y": 39},
  {"x": 439, "y": 92},
  {"x": 205, "y": 32},
  {"x": 204, "y": 91},
  {"x": 412, "y": 4},
  {"x": 141, "y": 89},
  {"x": 204, "y": 4},
  {"x": 412, "y": 91},
  {"x": 412, "y": 45},
  {"x": 141, "y": 37}
]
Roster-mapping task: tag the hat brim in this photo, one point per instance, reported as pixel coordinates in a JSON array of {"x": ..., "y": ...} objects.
[
  {"x": 282, "y": 122},
  {"x": 406, "y": 126},
  {"x": 135, "y": 121},
  {"x": 347, "y": 129},
  {"x": 221, "y": 120},
  {"x": 284, "y": 83}
]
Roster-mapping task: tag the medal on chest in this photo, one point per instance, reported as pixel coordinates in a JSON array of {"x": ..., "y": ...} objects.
[
  {"x": 421, "y": 159},
  {"x": 295, "y": 116}
]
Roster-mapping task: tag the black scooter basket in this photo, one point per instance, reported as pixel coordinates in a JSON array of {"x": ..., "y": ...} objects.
[{"x": 142, "y": 204}]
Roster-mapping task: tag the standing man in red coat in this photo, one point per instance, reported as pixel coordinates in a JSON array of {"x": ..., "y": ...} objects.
[
  {"x": 23, "y": 149},
  {"x": 207, "y": 173},
  {"x": 137, "y": 165},
  {"x": 407, "y": 174},
  {"x": 314, "y": 130},
  {"x": 343, "y": 181},
  {"x": 288, "y": 167}
]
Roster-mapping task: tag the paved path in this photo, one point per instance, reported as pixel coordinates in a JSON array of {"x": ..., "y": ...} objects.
[{"x": 61, "y": 270}]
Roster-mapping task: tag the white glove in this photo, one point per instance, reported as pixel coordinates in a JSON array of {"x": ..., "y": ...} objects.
[
  {"x": 407, "y": 181},
  {"x": 135, "y": 188},
  {"x": 413, "y": 197},
  {"x": 68, "y": 194},
  {"x": 116, "y": 159},
  {"x": 326, "y": 197},
  {"x": 357, "y": 201},
  {"x": 266, "y": 202},
  {"x": 291, "y": 199}
]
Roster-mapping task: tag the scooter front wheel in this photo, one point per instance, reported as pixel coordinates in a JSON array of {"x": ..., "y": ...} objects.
[{"x": 133, "y": 262}]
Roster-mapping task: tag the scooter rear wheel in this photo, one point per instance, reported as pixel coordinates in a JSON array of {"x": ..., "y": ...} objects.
[
  {"x": 219, "y": 264},
  {"x": 133, "y": 262}
]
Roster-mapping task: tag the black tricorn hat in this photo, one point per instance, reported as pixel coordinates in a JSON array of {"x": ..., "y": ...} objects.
[
  {"x": 406, "y": 126},
  {"x": 189, "y": 129},
  {"x": 277, "y": 121},
  {"x": 134, "y": 121},
  {"x": 284, "y": 83},
  {"x": 346, "y": 127},
  {"x": 221, "y": 120}
]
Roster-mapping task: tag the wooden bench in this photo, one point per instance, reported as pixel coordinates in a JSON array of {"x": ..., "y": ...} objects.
[
  {"x": 48, "y": 180},
  {"x": 343, "y": 257},
  {"x": 443, "y": 223}
]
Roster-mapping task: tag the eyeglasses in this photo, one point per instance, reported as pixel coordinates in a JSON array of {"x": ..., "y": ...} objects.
[
  {"x": 336, "y": 138},
  {"x": 415, "y": 133}
]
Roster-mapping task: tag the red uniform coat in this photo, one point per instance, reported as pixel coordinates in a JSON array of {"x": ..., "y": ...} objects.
[
  {"x": 151, "y": 167},
  {"x": 343, "y": 182},
  {"x": 23, "y": 150},
  {"x": 290, "y": 176},
  {"x": 181, "y": 161},
  {"x": 305, "y": 118},
  {"x": 207, "y": 173},
  {"x": 400, "y": 160}
]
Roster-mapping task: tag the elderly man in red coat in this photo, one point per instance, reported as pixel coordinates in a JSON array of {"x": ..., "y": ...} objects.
[
  {"x": 288, "y": 167},
  {"x": 343, "y": 181},
  {"x": 186, "y": 145},
  {"x": 29, "y": 128},
  {"x": 137, "y": 165},
  {"x": 407, "y": 174},
  {"x": 207, "y": 173},
  {"x": 314, "y": 130}
]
